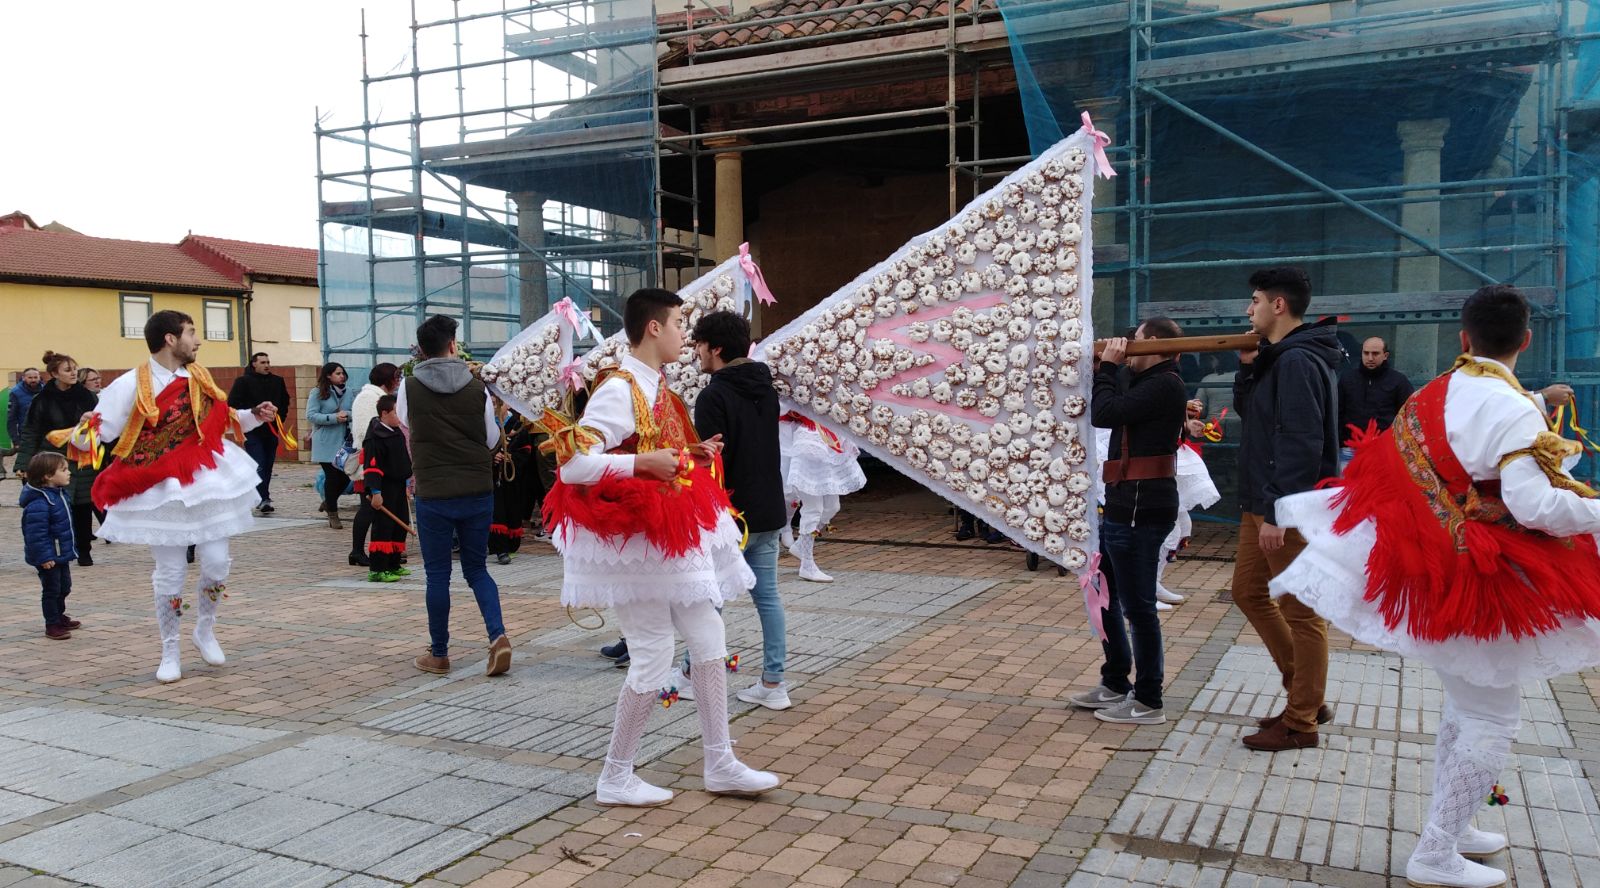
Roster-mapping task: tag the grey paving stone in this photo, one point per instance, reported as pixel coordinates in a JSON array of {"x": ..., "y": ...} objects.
[
  {"x": 171, "y": 859},
  {"x": 271, "y": 871},
  {"x": 193, "y": 800},
  {"x": 269, "y": 821},
  {"x": 15, "y": 806},
  {"x": 518, "y": 813},
  {"x": 362, "y": 784},
  {"x": 58, "y": 848},
  {"x": 358, "y": 841},
  {"x": 283, "y": 769},
  {"x": 430, "y": 854},
  {"x": 447, "y": 801}
]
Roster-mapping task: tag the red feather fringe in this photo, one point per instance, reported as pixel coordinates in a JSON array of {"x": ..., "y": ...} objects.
[
  {"x": 671, "y": 516},
  {"x": 1506, "y": 581},
  {"x": 514, "y": 533},
  {"x": 387, "y": 548},
  {"x": 122, "y": 480}
]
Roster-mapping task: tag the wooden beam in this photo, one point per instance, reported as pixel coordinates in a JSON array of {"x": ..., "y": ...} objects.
[
  {"x": 1353, "y": 304},
  {"x": 1186, "y": 344}
]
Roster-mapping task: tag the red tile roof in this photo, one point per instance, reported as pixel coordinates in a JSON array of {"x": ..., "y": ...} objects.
[
  {"x": 752, "y": 28},
  {"x": 60, "y": 258},
  {"x": 260, "y": 261}
]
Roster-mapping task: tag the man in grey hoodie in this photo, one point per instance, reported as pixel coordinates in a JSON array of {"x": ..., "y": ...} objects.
[{"x": 453, "y": 433}]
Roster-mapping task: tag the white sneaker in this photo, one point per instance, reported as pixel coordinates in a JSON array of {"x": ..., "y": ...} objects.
[
  {"x": 1099, "y": 698},
  {"x": 726, "y": 775},
  {"x": 206, "y": 644},
  {"x": 1169, "y": 596},
  {"x": 1131, "y": 712},
  {"x": 810, "y": 571},
  {"x": 1460, "y": 873},
  {"x": 1475, "y": 842},
  {"x": 682, "y": 683},
  {"x": 171, "y": 668},
  {"x": 630, "y": 792},
  {"x": 761, "y": 695},
  {"x": 1162, "y": 605}
]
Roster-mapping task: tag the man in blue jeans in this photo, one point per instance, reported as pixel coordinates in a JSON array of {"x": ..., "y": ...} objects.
[
  {"x": 453, "y": 434},
  {"x": 1145, "y": 413},
  {"x": 740, "y": 404}
]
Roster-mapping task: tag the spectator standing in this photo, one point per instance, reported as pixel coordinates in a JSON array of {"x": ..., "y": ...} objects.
[
  {"x": 384, "y": 379},
  {"x": 257, "y": 384},
  {"x": 90, "y": 379},
  {"x": 386, "y": 469},
  {"x": 47, "y": 541},
  {"x": 60, "y": 404},
  {"x": 328, "y": 408},
  {"x": 453, "y": 435},
  {"x": 1287, "y": 395},
  {"x": 1370, "y": 392},
  {"x": 21, "y": 398}
]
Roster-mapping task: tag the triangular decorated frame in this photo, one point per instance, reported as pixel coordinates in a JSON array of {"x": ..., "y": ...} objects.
[
  {"x": 725, "y": 288},
  {"x": 917, "y": 359},
  {"x": 525, "y": 373}
]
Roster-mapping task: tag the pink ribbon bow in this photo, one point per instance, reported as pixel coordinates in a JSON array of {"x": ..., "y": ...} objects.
[
  {"x": 1102, "y": 164},
  {"x": 568, "y": 312},
  {"x": 571, "y": 374},
  {"x": 1096, "y": 596},
  {"x": 753, "y": 273}
]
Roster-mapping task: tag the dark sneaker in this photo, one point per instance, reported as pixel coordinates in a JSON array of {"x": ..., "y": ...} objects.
[
  {"x": 266, "y": 508},
  {"x": 623, "y": 661},
  {"x": 613, "y": 651},
  {"x": 430, "y": 663},
  {"x": 502, "y": 558},
  {"x": 1099, "y": 698},
  {"x": 1131, "y": 712},
  {"x": 85, "y": 560}
]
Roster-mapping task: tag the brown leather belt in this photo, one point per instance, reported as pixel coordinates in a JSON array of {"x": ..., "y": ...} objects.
[{"x": 1139, "y": 468}]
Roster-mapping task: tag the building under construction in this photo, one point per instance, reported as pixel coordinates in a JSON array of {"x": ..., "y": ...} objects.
[{"x": 1405, "y": 152}]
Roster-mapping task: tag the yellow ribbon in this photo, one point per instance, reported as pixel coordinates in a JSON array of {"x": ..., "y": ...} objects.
[
  {"x": 91, "y": 456},
  {"x": 1580, "y": 431},
  {"x": 284, "y": 434},
  {"x": 567, "y": 437}
]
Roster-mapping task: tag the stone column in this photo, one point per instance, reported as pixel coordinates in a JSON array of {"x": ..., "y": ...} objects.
[
  {"x": 1416, "y": 346},
  {"x": 533, "y": 288},
  {"x": 729, "y": 218}
]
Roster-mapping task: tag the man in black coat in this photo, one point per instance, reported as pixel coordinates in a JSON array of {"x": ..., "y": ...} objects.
[
  {"x": 1286, "y": 393},
  {"x": 255, "y": 385},
  {"x": 740, "y": 404},
  {"x": 1370, "y": 392}
]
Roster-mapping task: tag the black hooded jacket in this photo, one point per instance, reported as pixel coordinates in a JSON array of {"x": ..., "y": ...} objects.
[
  {"x": 740, "y": 404},
  {"x": 1288, "y": 399},
  {"x": 1367, "y": 396},
  {"x": 56, "y": 408}
]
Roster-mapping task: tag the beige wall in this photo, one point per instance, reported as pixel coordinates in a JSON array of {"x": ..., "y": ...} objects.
[
  {"x": 269, "y": 323},
  {"x": 86, "y": 323}
]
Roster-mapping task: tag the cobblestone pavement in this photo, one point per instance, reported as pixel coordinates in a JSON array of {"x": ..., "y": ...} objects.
[{"x": 928, "y": 745}]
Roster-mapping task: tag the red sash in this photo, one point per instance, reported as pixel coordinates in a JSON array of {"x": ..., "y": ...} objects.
[
  {"x": 170, "y": 447},
  {"x": 1450, "y": 561}
]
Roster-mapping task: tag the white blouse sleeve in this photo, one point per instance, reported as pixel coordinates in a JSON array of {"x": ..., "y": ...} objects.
[
  {"x": 1528, "y": 493},
  {"x": 609, "y": 412},
  {"x": 116, "y": 405}
]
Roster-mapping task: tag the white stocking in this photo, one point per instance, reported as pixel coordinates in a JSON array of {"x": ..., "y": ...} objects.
[
  {"x": 214, "y": 566},
  {"x": 167, "y": 582},
  {"x": 633, "y": 712},
  {"x": 1461, "y": 784},
  {"x": 710, "y": 679}
]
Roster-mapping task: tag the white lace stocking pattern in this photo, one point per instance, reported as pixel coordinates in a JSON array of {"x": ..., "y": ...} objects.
[
  {"x": 710, "y": 680},
  {"x": 168, "y": 616},
  {"x": 633, "y": 713},
  {"x": 1460, "y": 784}
]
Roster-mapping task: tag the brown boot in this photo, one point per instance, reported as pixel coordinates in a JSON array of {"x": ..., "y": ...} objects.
[
  {"x": 333, "y": 519},
  {"x": 1279, "y": 738},
  {"x": 499, "y": 656},
  {"x": 1324, "y": 715},
  {"x": 57, "y": 632},
  {"x": 429, "y": 663}
]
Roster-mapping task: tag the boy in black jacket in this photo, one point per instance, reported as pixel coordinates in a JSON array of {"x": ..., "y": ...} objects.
[
  {"x": 741, "y": 406},
  {"x": 386, "y": 467}
]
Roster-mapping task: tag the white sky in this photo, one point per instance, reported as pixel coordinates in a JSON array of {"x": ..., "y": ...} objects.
[{"x": 149, "y": 120}]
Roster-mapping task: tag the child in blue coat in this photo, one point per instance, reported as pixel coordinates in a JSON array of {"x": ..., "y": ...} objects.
[{"x": 47, "y": 539}]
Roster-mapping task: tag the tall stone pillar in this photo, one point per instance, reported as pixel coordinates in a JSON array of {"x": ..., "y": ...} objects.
[
  {"x": 1416, "y": 346},
  {"x": 729, "y": 219},
  {"x": 533, "y": 288}
]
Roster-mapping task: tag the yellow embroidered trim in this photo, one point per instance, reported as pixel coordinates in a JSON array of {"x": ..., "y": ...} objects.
[
  {"x": 145, "y": 412},
  {"x": 1548, "y": 450},
  {"x": 567, "y": 437}
]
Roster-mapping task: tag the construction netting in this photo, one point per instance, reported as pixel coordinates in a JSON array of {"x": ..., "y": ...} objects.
[
  {"x": 503, "y": 160},
  {"x": 1405, "y": 153}
]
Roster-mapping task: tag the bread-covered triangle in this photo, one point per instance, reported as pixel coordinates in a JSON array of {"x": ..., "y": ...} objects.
[{"x": 965, "y": 358}]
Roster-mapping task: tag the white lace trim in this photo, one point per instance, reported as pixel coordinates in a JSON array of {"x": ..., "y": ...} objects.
[
  {"x": 234, "y": 475},
  {"x": 819, "y": 478},
  {"x": 1196, "y": 491},
  {"x": 178, "y": 524},
  {"x": 1329, "y": 577},
  {"x": 598, "y": 574}
]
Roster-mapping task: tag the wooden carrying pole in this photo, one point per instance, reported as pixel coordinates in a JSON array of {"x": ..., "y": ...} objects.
[{"x": 1184, "y": 344}]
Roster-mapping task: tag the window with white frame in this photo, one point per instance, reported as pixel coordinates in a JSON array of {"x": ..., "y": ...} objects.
[
  {"x": 135, "y": 311},
  {"x": 300, "y": 326},
  {"x": 219, "y": 321}
]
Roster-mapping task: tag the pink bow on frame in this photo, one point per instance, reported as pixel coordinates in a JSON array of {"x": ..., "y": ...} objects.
[
  {"x": 571, "y": 374},
  {"x": 1096, "y": 596},
  {"x": 758, "y": 283},
  {"x": 1102, "y": 164}
]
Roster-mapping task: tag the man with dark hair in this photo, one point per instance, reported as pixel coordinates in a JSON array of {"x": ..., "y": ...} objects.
[
  {"x": 1286, "y": 393},
  {"x": 1145, "y": 413},
  {"x": 453, "y": 435},
  {"x": 644, "y": 528},
  {"x": 29, "y": 384},
  {"x": 256, "y": 384},
  {"x": 740, "y": 405},
  {"x": 177, "y": 480},
  {"x": 1458, "y": 538}
]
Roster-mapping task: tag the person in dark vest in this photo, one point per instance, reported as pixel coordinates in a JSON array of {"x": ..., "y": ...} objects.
[
  {"x": 453, "y": 435},
  {"x": 256, "y": 384}
]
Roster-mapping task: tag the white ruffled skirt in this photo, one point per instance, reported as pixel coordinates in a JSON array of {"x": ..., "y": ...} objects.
[
  {"x": 598, "y": 574},
  {"x": 1330, "y": 577},
  {"x": 813, "y": 468},
  {"x": 217, "y": 504}
]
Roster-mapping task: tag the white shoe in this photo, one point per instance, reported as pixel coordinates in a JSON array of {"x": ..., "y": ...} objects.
[
  {"x": 761, "y": 695},
  {"x": 171, "y": 668},
  {"x": 682, "y": 683},
  {"x": 206, "y": 643},
  {"x": 1162, "y": 605},
  {"x": 726, "y": 775},
  {"x": 1169, "y": 596},
  {"x": 1475, "y": 842},
  {"x": 1463, "y": 874},
  {"x": 810, "y": 571},
  {"x": 628, "y": 791}
]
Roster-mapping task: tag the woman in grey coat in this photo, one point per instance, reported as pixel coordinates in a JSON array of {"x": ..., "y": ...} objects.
[{"x": 328, "y": 409}]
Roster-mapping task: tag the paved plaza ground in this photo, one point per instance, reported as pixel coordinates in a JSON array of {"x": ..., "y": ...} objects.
[{"x": 929, "y": 743}]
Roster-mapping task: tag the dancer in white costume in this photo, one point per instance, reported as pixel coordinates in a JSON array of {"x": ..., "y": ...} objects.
[
  {"x": 818, "y": 468},
  {"x": 1479, "y": 558},
  {"x": 177, "y": 480},
  {"x": 1195, "y": 491},
  {"x": 645, "y": 529}
]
